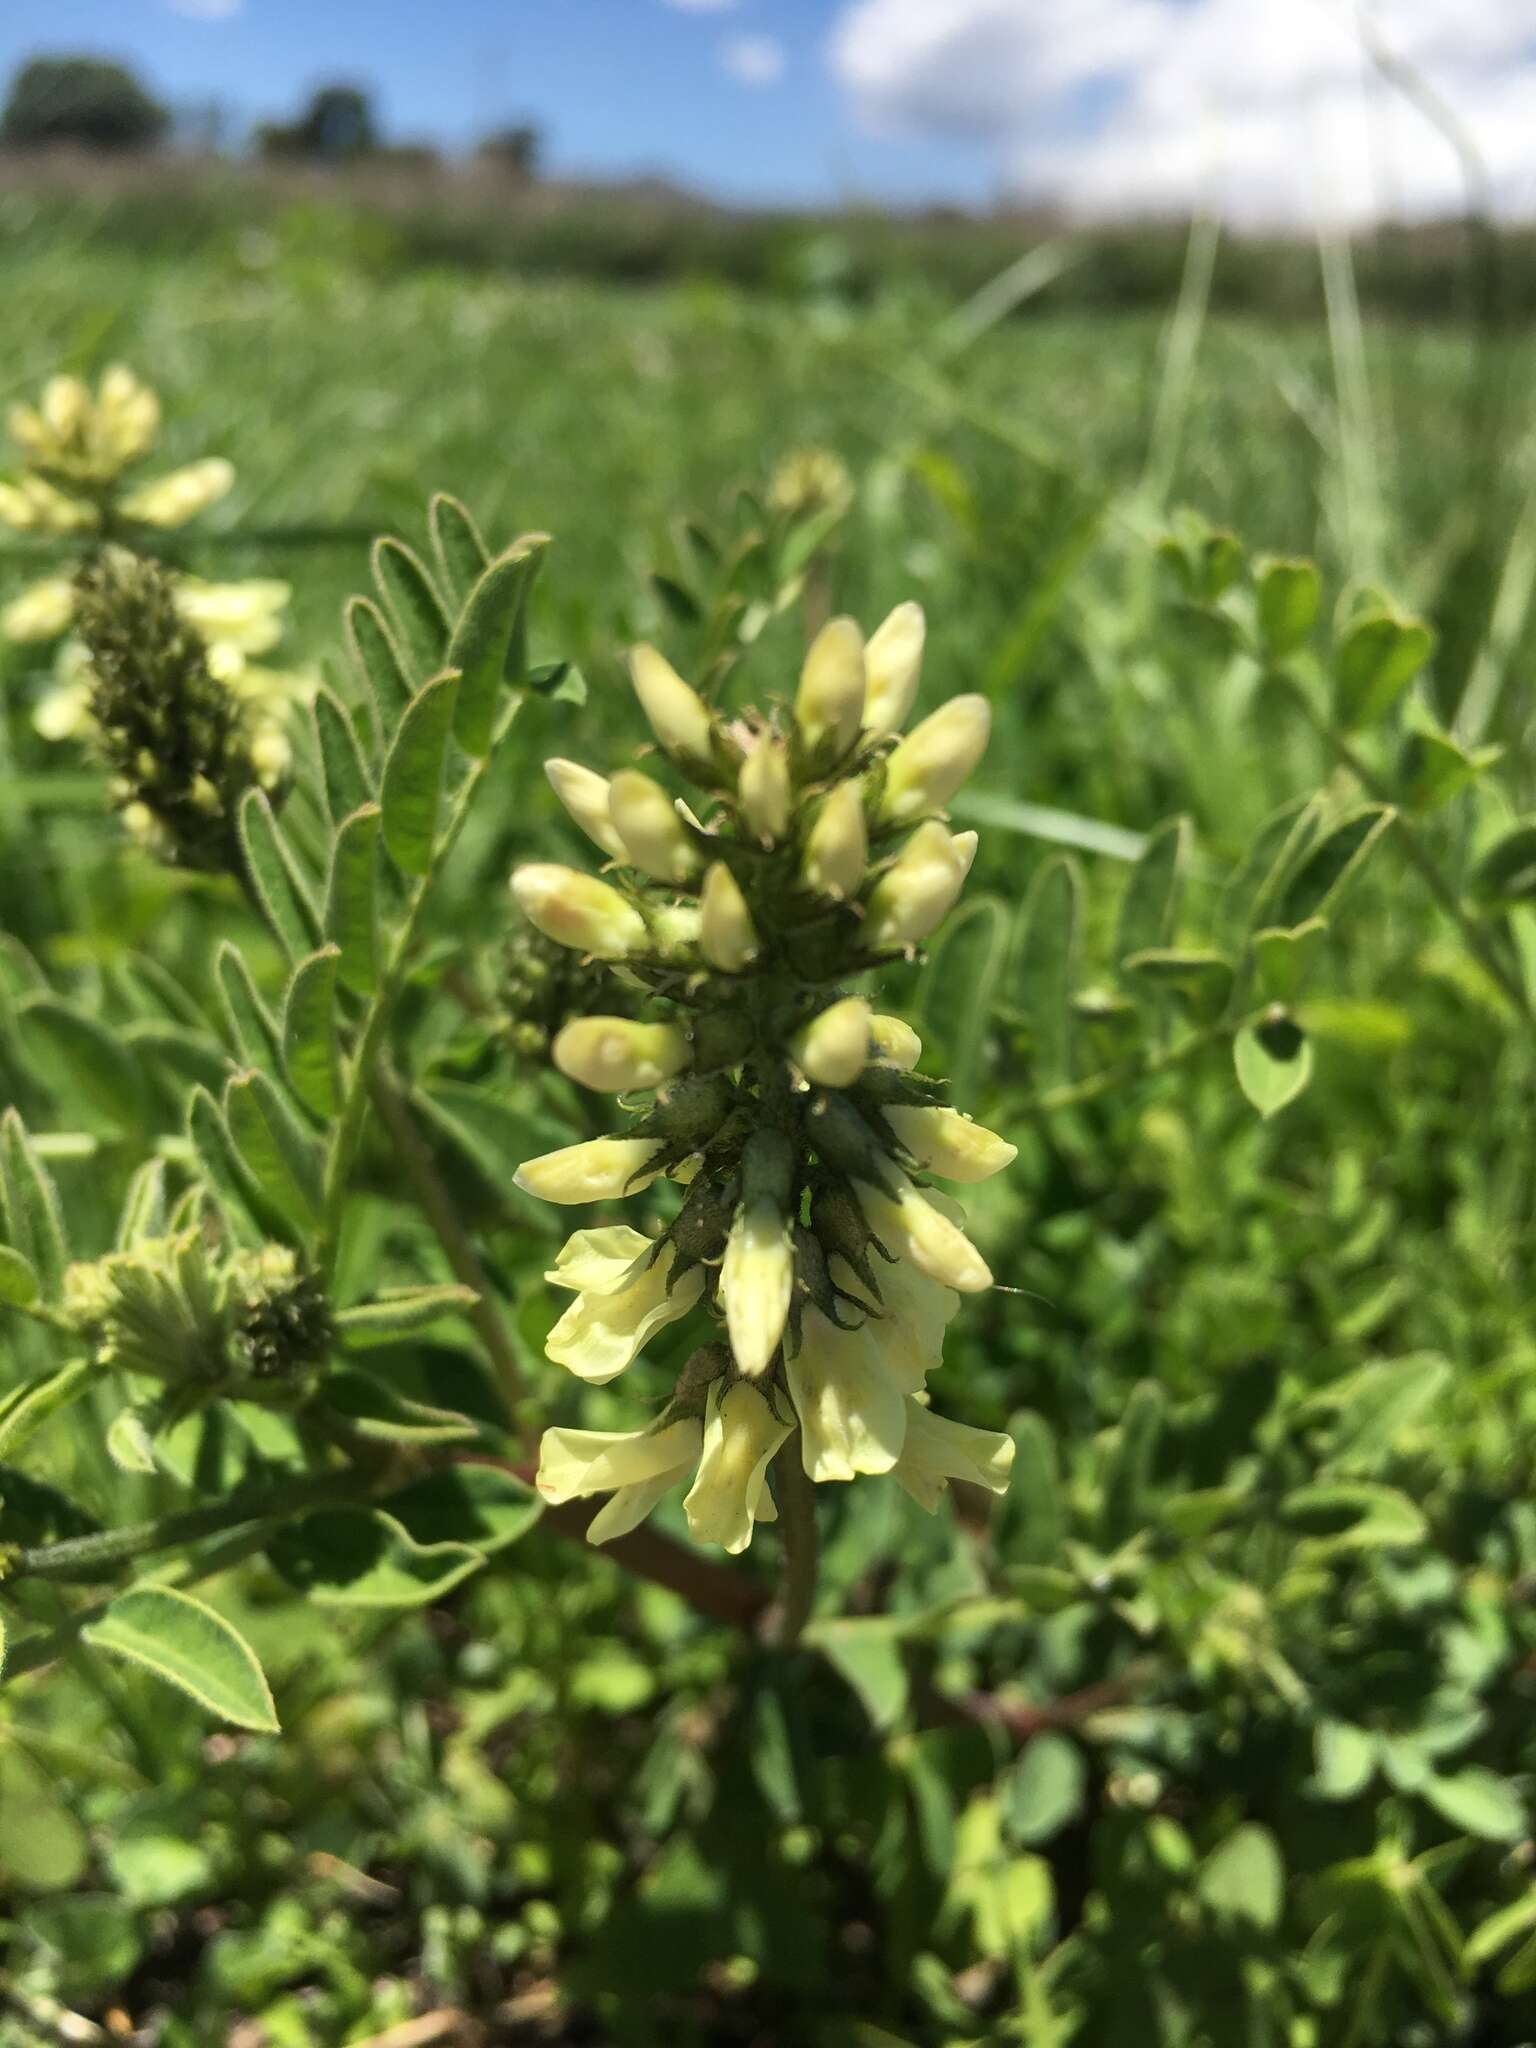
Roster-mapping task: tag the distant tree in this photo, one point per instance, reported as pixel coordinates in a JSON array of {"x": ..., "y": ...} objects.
[
  {"x": 516, "y": 149},
  {"x": 338, "y": 124},
  {"x": 84, "y": 100}
]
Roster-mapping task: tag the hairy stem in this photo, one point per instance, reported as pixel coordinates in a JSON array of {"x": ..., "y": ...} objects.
[{"x": 88, "y": 1554}]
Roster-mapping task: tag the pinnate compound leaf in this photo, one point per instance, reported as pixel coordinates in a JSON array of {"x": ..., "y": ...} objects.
[{"x": 182, "y": 1639}]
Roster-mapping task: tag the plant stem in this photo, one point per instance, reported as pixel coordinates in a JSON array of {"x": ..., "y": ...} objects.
[
  {"x": 437, "y": 1206},
  {"x": 795, "y": 1496},
  {"x": 116, "y": 1546}
]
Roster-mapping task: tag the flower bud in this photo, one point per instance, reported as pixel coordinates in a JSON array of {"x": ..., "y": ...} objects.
[
  {"x": 833, "y": 1049},
  {"x": 932, "y": 761},
  {"x": 756, "y": 1282},
  {"x": 913, "y": 897},
  {"x": 645, "y": 818},
  {"x": 896, "y": 1043},
  {"x": 128, "y": 413},
  {"x": 838, "y": 846},
  {"x": 174, "y": 499},
  {"x": 585, "y": 795},
  {"x": 893, "y": 661},
  {"x": 615, "y": 1054},
  {"x": 41, "y": 612},
  {"x": 741, "y": 1435},
  {"x": 727, "y": 936},
  {"x": 944, "y": 1142},
  {"x": 600, "y": 1170},
  {"x": 579, "y": 911},
  {"x": 66, "y": 406},
  {"x": 763, "y": 788},
  {"x": 17, "y": 509},
  {"x": 829, "y": 706},
  {"x": 910, "y": 1226},
  {"x": 678, "y": 716},
  {"x": 965, "y": 845}
]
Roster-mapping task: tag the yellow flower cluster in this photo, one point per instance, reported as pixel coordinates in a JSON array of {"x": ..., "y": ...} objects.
[
  {"x": 815, "y": 851},
  {"x": 78, "y": 448}
]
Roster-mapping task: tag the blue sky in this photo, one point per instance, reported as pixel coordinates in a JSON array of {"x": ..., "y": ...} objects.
[
  {"x": 738, "y": 99},
  {"x": 1263, "y": 110}
]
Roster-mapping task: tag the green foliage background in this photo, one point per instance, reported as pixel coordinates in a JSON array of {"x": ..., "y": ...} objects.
[{"x": 1251, "y": 1634}]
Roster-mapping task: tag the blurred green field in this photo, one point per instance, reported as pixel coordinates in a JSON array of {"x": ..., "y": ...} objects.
[{"x": 584, "y": 1818}]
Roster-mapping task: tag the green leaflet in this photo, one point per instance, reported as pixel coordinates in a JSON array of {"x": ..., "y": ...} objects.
[
  {"x": 381, "y": 667},
  {"x": 487, "y": 636},
  {"x": 414, "y": 606},
  {"x": 457, "y": 547},
  {"x": 311, "y": 1058},
  {"x": 348, "y": 782},
  {"x": 1044, "y": 973},
  {"x": 254, "y": 1032},
  {"x": 1150, "y": 906},
  {"x": 274, "y": 877},
  {"x": 182, "y": 1640},
  {"x": 413, "y": 775},
  {"x": 351, "y": 903},
  {"x": 29, "y": 1206},
  {"x": 279, "y": 1154}
]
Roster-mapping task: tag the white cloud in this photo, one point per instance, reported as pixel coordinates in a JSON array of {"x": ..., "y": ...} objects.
[
  {"x": 206, "y": 10},
  {"x": 753, "y": 60},
  {"x": 1268, "y": 108}
]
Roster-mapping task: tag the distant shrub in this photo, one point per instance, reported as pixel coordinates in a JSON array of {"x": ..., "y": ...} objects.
[
  {"x": 337, "y": 125},
  {"x": 82, "y": 100},
  {"x": 515, "y": 150}
]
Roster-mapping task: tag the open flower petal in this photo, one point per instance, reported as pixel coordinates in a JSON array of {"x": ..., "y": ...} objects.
[
  {"x": 741, "y": 1435},
  {"x": 937, "y": 1450},
  {"x": 852, "y": 1410}
]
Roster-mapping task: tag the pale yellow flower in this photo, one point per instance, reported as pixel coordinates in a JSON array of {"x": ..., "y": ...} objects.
[
  {"x": 741, "y": 1436},
  {"x": 936, "y": 1450},
  {"x": 625, "y": 1292}
]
